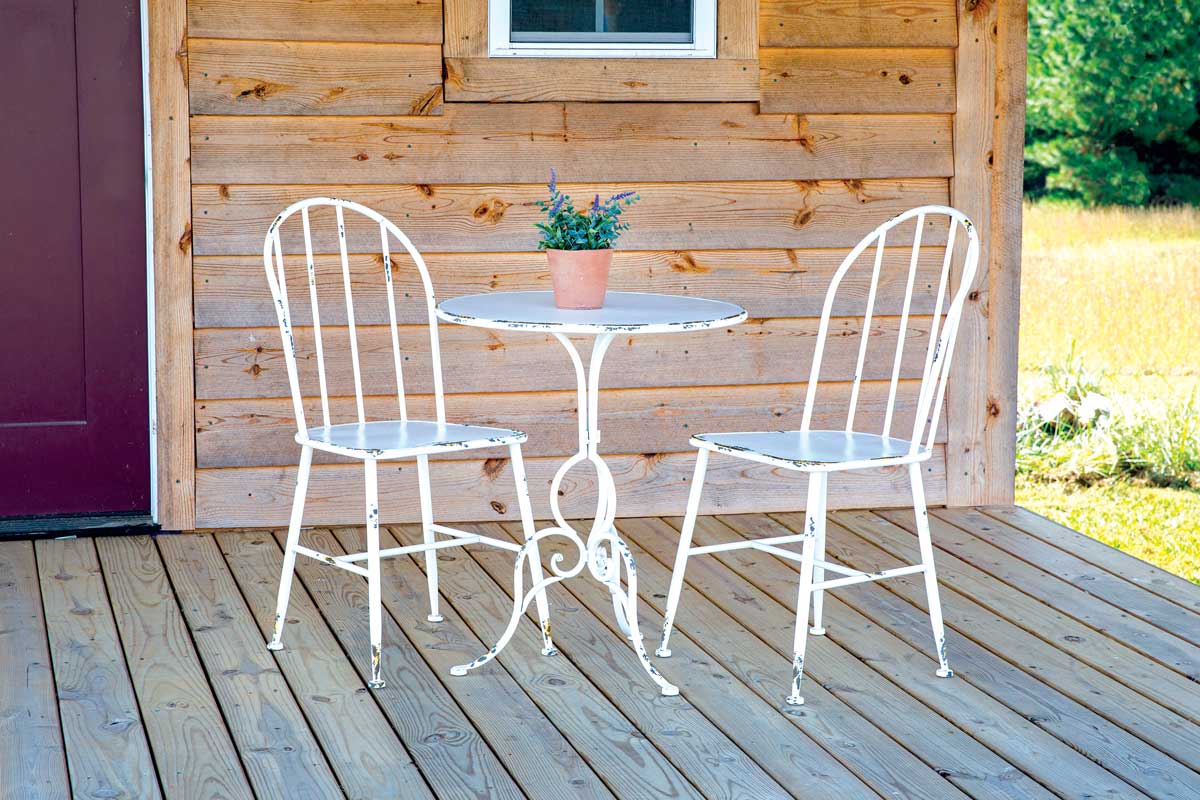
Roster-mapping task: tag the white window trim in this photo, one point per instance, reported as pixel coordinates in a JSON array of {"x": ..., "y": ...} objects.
[{"x": 703, "y": 44}]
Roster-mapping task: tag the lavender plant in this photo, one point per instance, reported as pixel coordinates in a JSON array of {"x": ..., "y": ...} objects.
[{"x": 595, "y": 228}]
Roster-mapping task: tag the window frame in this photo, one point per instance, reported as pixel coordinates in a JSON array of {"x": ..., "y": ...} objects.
[{"x": 703, "y": 44}]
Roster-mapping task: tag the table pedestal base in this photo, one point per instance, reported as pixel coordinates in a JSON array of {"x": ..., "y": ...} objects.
[{"x": 605, "y": 553}]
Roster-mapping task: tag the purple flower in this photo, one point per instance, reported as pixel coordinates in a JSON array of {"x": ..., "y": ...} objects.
[
  {"x": 616, "y": 198},
  {"x": 553, "y": 181},
  {"x": 558, "y": 204},
  {"x": 596, "y": 204}
]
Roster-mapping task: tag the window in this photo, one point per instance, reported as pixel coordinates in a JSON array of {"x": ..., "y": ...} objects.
[{"x": 603, "y": 28}]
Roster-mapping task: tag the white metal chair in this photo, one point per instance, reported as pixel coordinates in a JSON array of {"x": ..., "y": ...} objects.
[
  {"x": 820, "y": 452},
  {"x": 380, "y": 440}
]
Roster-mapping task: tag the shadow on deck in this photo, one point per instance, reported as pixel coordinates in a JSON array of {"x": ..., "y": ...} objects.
[{"x": 136, "y": 668}]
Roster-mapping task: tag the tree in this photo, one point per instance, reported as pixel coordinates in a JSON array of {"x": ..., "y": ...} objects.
[{"x": 1114, "y": 100}]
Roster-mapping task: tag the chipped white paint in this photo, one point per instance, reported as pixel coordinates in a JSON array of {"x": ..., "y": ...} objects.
[
  {"x": 604, "y": 555},
  {"x": 623, "y": 312},
  {"x": 819, "y": 452},
  {"x": 373, "y": 441}
]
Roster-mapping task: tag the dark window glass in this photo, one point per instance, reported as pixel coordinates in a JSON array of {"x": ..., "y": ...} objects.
[{"x": 602, "y": 20}]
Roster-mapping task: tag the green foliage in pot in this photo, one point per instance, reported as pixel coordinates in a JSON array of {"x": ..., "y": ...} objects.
[{"x": 595, "y": 228}]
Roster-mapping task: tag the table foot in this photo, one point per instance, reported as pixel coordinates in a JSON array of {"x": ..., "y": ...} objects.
[
  {"x": 625, "y": 600},
  {"x": 522, "y": 599}
]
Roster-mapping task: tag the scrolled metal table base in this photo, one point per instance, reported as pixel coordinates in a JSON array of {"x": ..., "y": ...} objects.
[{"x": 604, "y": 553}]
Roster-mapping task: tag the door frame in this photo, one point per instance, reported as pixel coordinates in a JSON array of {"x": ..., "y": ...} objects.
[
  {"x": 171, "y": 411},
  {"x": 148, "y": 196}
]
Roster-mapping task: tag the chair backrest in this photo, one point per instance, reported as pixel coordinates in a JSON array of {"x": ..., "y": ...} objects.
[
  {"x": 942, "y": 327},
  {"x": 273, "y": 262}
]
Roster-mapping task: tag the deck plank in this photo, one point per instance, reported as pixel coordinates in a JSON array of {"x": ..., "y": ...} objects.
[
  {"x": 852, "y": 738},
  {"x": 1148, "y": 678},
  {"x": 1169, "y": 617},
  {"x": 718, "y": 767},
  {"x": 758, "y": 729},
  {"x": 451, "y": 754},
  {"x": 1154, "y": 579},
  {"x": 1112, "y": 620},
  {"x": 1113, "y": 700},
  {"x": 898, "y": 605},
  {"x": 365, "y": 753},
  {"x": 107, "y": 752},
  {"x": 280, "y": 752},
  {"x": 32, "y": 759},
  {"x": 965, "y": 762},
  {"x": 1057, "y": 617},
  {"x": 518, "y": 708},
  {"x": 763, "y": 730},
  {"x": 1010, "y": 735},
  {"x": 196, "y": 758}
]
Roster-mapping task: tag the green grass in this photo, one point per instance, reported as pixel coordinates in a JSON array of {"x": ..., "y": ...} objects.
[
  {"x": 1110, "y": 303},
  {"x": 1161, "y": 526}
]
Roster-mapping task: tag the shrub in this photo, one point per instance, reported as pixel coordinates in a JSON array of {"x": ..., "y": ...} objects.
[
  {"x": 1074, "y": 433},
  {"x": 1113, "y": 100}
]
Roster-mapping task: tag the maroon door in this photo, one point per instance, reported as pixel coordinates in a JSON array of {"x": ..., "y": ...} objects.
[{"x": 74, "y": 430}]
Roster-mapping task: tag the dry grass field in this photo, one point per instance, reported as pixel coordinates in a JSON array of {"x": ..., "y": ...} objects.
[
  {"x": 1110, "y": 305},
  {"x": 1124, "y": 284}
]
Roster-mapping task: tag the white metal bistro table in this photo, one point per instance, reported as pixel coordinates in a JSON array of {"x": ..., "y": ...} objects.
[{"x": 623, "y": 313}]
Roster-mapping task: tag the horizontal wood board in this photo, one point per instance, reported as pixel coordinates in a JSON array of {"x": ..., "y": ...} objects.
[
  {"x": 479, "y": 142},
  {"x": 228, "y": 76},
  {"x": 853, "y": 23},
  {"x": 232, "y": 219},
  {"x": 410, "y": 21}
]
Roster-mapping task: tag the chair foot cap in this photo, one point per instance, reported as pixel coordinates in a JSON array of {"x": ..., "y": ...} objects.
[
  {"x": 436, "y": 618},
  {"x": 670, "y": 691},
  {"x": 817, "y": 631},
  {"x": 549, "y": 651},
  {"x": 458, "y": 672},
  {"x": 794, "y": 700},
  {"x": 274, "y": 645},
  {"x": 663, "y": 652},
  {"x": 377, "y": 684},
  {"x": 945, "y": 673}
]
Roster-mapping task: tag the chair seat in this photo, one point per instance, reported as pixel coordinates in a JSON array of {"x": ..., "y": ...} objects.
[
  {"x": 400, "y": 439},
  {"x": 813, "y": 450}
]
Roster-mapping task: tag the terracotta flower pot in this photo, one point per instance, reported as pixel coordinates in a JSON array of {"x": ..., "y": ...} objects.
[{"x": 580, "y": 277}]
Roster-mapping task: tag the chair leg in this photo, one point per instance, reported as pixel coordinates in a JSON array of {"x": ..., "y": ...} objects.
[
  {"x": 528, "y": 529},
  {"x": 289, "y": 551},
  {"x": 431, "y": 564},
  {"x": 681, "y": 554},
  {"x": 931, "y": 586},
  {"x": 374, "y": 590},
  {"x": 814, "y": 512},
  {"x": 818, "y": 601}
]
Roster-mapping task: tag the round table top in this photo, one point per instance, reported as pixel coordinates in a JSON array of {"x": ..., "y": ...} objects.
[{"x": 623, "y": 312}]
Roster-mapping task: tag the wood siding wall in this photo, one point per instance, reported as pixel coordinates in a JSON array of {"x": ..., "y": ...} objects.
[{"x": 758, "y": 171}]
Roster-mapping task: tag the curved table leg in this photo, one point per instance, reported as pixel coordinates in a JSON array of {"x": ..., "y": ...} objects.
[{"x": 605, "y": 554}]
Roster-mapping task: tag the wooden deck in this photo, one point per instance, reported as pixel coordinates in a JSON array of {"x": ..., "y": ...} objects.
[{"x": 136, "y": 668}]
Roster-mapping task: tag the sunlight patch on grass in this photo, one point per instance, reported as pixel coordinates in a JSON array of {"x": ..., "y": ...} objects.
[{"x": 1124, "y": 284}]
